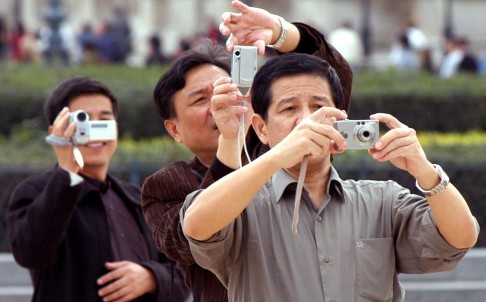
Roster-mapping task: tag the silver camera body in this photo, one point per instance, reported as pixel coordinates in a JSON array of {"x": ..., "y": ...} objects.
[
  {"x": 244, "y": 65},
  {"x": 87, "y": 130},
  {"x": 359, "y": 134}
]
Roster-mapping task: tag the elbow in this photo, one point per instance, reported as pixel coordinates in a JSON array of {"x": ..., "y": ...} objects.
[
  {"x": 468, "y": 238},
  {"x": 193, "y": 229}
]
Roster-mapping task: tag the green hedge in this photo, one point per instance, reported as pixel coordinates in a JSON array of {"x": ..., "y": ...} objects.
[
  {"x": 421, "y": 101},
  {"x": 24, "y": 89}
]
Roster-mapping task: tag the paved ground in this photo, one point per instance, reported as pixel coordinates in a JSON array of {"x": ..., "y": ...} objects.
[{"x": 466, "y": 283}]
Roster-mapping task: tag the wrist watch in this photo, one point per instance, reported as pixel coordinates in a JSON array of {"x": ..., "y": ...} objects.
[
  {"x": 283, "y": 34},
  {"x": 444, "y": 181}
]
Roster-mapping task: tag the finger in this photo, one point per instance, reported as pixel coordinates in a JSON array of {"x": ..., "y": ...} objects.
[
  {"x": 113, "y": 291},
  {"x": 324, "y": 113},
  {"x": 69, "y": 131},
  {"x": 231, "y": 42},
  {"x": 226, "y": 88},
  {"x": 113, "y": 274},
  {"x": 389, "y": 120},
  {"x": 121, "y": 294},
  {"x": 393, "y": 135},
  {"x": 221, "y": 102},
  {"x": 61, "y": 114},
  {"x": 390, "y": 143},
  {"x": 260, "y": 44},
  {"x": 240, "y": 6},
  {"x": 223, "y": 29},
  {"x": 387, "y": 155},
  {"x": 221, "y": 81}
]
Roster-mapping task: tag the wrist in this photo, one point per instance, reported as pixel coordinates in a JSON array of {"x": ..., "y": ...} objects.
[
  {"x": 280, "y": 33},
  {"x": 433, "y": 185}
]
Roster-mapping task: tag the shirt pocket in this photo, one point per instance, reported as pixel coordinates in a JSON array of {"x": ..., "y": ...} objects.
[{"x": 375, "y": 268}]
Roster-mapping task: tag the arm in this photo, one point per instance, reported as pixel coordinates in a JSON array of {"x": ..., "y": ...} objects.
[
  {"x": 255, "y": 26},
  {"x": 452, "y": 215},
  {"x": 211, "y": 211},
  {"x": 161, "y": 209},
  {"x": 38, "y": 218}
]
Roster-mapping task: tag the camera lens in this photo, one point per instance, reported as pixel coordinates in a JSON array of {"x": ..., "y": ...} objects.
[
  {"x": 365, "y": 133},
  {"x": 237, "y": 53},
  {"x": 81, "y": 116}
]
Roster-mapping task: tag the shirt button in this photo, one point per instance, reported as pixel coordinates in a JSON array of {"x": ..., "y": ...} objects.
[
  {"x": 319, "y": 218},
  {"x": 359, "y": 244},
  {"x": 327, "y": 259}
]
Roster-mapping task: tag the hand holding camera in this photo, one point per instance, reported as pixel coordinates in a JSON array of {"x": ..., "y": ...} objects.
[{"x": 84, "y": 132}]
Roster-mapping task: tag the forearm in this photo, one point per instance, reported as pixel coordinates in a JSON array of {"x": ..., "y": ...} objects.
[
  {"x": 453, "y": 218},
  {"x": 223, "y": 201},
  {"x": 451, "y": 212}
]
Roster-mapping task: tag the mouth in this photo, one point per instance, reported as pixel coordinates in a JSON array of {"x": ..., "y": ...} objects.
[{"x": 94, "y": 145}]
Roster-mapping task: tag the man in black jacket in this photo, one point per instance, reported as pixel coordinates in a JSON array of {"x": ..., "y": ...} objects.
[{"x": 80, "y": 231}]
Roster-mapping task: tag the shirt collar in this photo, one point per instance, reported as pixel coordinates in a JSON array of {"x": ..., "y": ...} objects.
[{"x": 282, "y": 180}]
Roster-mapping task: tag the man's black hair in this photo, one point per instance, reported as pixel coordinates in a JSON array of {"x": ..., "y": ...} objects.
[
  {"x": 291, "y": 64},
  {"x": 71, "y": 88}
]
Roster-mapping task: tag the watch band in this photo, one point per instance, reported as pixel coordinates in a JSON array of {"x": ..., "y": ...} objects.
[
  {"x": 444, "y": 182},
  {"x": 283, "y": 34}
]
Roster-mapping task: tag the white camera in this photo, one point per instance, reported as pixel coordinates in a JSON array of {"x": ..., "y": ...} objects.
[
  {"x": 244, "y": 65},
  {"x": 87, "y": 130}
]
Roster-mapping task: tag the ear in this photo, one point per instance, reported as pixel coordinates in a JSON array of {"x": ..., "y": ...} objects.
[
  {"x": 171, "y": 127},
  {"x": 260, "y": 128}
]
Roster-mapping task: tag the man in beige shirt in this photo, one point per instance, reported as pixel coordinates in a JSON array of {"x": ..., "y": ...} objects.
[{"x": 354, "y": 237}]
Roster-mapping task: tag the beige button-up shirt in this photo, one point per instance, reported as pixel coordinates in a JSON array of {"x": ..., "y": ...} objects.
[{"x": 351, "y": 248}]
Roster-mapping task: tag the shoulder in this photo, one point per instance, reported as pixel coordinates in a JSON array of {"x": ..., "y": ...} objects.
[
  {"x": 172, "y": 174},
  {"x": 373, "y": 187},
  {"x": 131, "y": 190}
]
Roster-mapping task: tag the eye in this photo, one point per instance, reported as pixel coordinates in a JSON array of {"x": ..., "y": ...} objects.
[
  {"x": 289, "y": 109},
  {"x": 200, "y": 100}
]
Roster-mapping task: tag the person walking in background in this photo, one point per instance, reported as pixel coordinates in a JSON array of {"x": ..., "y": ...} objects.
[
  {"x": 183, "y": 98},
  {"x": 348, "y": 42},
  {"x": 458, "y": 58},
  {"x": 156, "y": 55},
  {"x": 79, "y": 230}
]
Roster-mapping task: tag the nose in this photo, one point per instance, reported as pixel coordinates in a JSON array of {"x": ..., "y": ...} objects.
[{"x": 305, "y": 112}]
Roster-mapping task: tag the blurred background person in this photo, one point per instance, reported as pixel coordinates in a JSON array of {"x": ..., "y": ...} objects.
[
  {"x": 402, "y": 55},
  {"x": 156, "y": 55},
  {"x": 348, "y": 42},
  {"x": 458, "y": 58}
]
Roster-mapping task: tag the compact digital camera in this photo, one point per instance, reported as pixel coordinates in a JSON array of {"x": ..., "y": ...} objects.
[
  {"x": 244, "y": 64},
  {"x": 359, "y": 134},
  {"x": 87, "y": 130}
]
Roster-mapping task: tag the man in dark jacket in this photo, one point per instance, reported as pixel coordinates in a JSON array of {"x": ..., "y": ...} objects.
[
  {"x": 80, "y": 231},
  {"x": 183, "y": 97}
]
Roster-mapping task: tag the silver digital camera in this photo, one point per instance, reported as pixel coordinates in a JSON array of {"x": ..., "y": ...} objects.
[
  {"x": 87, "y": 130},
  {"x": 244, "y": 64},
  {"x": 359, "y": 134}
]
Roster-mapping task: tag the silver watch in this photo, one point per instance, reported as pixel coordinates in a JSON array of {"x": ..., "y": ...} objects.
[{"x": 444, "y": 181}]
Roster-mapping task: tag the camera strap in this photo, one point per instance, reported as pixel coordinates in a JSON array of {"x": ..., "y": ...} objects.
[
  {"x": 60, "y": 141},
  {"x": 298, "y": 193}
]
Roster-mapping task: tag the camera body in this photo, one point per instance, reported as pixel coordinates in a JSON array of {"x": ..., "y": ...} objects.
[
  {"x": 87, "y": 130},
  {"x": 359, "y": 134},
  {"x": 244, "y": 65}
]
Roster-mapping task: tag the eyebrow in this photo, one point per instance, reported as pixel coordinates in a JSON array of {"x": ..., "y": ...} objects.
[
  {"x": 197, "y": 92},
  {"x": 315, "y": 96}
]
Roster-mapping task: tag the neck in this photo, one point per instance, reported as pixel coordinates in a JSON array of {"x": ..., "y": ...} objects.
[
  {"x": 95, "y": 172},
  {"x": 205, "y": 159},
  {"x": 316, "y": 178}
]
